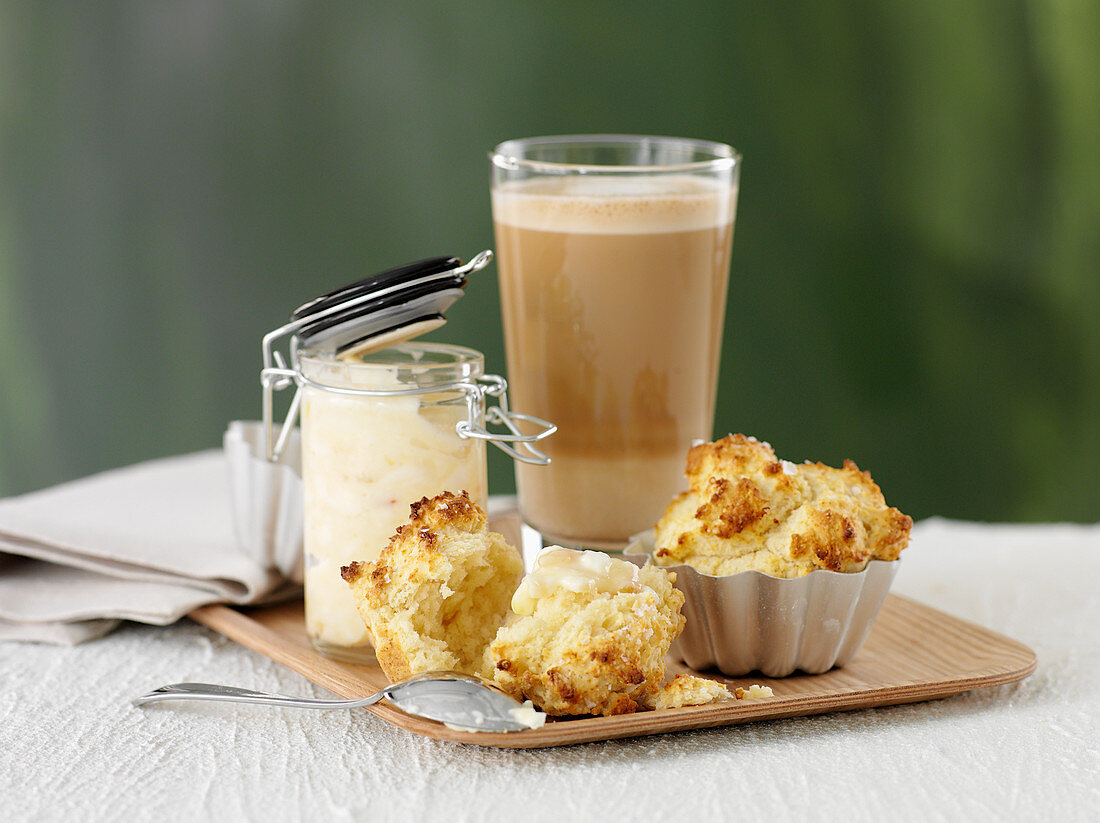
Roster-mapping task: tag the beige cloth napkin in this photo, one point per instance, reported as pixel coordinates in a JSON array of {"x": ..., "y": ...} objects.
[{"x": 148, "y": 543}]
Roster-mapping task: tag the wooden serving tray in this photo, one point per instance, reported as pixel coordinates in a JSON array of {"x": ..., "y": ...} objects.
[{"x": 913, "y": 653}]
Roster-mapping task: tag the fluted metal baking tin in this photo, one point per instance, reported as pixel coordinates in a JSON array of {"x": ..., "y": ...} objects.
[
  {"x": 266, "y": 497},
  {"x": 750, "y": 621}
]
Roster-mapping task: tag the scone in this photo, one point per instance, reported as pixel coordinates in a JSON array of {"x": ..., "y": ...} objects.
[
  {"x": 747, "y": 510},
  {"x": 439, "y": 590},
  {"x": 783, "y": 567},
  {"x": 589, "y": 634}
]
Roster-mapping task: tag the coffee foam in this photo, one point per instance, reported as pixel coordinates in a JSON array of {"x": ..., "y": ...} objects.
[{"x": 614, "y": 205}]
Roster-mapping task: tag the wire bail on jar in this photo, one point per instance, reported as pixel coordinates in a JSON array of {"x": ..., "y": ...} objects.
[{"x": 277, "y": 374}]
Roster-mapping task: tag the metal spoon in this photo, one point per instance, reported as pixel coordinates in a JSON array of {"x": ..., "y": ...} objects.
[{"x": 461, "y": 700}]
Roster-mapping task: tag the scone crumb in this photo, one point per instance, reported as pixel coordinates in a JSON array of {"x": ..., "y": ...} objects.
[
  {"x": 753, "y": 692},
  {"x": 689, "y": 690}
]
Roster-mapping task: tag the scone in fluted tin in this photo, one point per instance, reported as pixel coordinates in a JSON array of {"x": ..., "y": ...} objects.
[
  {"x": 384, "y": 423},
  {"x": 783, "y": 567}
]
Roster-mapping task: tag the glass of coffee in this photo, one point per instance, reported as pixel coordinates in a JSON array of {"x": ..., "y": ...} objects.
[{"x": 613, "y": 252}]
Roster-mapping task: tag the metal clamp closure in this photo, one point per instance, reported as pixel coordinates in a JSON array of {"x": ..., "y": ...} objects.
[
  {"x": 273, "y": 379},
  {"x": 278, "y": 377},
  {"x": 496, "y": 386}
]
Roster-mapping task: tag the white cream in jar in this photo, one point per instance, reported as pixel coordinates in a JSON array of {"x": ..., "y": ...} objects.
[{"x": 367, "y": 455}]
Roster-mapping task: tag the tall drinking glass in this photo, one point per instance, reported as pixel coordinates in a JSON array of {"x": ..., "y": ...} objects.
[{"x": 613, "y": 252}]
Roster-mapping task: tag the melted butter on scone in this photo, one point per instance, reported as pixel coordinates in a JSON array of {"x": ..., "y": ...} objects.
[{"x": 576, "y": 571}]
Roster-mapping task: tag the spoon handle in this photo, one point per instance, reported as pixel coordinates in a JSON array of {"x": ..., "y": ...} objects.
[{"x": 233, "y": 694}]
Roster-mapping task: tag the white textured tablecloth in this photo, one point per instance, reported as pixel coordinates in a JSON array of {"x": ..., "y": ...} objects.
[{"x": 72, "y": 748}]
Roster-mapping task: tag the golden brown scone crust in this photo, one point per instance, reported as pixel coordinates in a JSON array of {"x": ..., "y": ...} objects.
[
  {"x": 590, "y": 653},
  {"x": 439, "y": 590},
  {"x": 747, "y": 510}
]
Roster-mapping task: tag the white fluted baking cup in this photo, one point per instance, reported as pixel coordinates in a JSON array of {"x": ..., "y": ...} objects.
[
  {"x": 266, "y": 497},
  {"x": 751, "y": 621}
]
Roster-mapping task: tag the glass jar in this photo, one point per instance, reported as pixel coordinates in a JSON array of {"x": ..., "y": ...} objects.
[
  {"x": 383, "y": 424},
  {"x": 379, "y": 432}
]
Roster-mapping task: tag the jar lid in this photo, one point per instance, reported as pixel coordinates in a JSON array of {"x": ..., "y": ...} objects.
[
  {"x": 384, "y": 308},
  {"x": 377, "y": 312}
]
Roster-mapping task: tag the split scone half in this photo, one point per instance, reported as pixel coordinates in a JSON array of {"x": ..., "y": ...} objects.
[
  {"x": 589, "y": 635},
  {"x": 439, "y": 590}
]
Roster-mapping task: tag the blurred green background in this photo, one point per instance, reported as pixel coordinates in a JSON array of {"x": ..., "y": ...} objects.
[{"x": 916, "y": 268}]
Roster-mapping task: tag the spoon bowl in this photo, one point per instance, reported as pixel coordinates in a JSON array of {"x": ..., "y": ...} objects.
[{"x": 459, "y": 700}]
